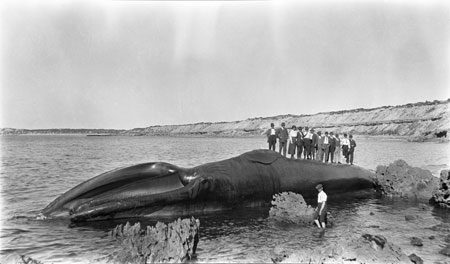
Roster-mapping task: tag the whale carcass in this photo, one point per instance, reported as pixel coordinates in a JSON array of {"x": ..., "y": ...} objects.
[{"x": 162, "y": 189}]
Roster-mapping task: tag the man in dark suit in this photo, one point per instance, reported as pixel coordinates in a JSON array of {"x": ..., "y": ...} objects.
[
  {"x": 271, "y": 134},
  {"x": 314, "y": 144},
  {"x": 325, "y": 147},
  {"x": 282, "y": 135},
  {"x": 300, "y": 142},
  {"x": 332, "y": 147},
  {"x": 351, "y": 151}
]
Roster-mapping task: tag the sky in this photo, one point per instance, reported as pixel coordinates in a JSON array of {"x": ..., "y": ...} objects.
[{"x": 129, "y": 64}]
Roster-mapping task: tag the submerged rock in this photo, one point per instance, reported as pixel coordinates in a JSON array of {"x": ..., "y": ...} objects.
[
  {"x": 442, "y": 195},
  {"x": 15, "y": 258},
  {"x": 173, "y": 243},
  {"x": 415, "y": 259},
  {"x": 445, "y": 251},
  {"x": 366, "y": 249},
  {"x": 401, "y": 180},
  {"x": 415, "y": 241}
]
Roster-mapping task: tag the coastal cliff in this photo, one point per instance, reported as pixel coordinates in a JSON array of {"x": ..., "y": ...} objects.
[{"x": 423, "y": 120}]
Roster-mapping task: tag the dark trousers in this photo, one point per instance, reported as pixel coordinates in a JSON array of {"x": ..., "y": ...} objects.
[
  {"x": 326, "y": 151},
  {"x": 283, "y": 147},
  {"x": 307, "y": 150},
  {"x": 331, "y": 154},
  {"x": 299, "y": 151},
  {"x": 272, "y": 142},
  {"x": 345, "y": 152},
  {"x": 351, "y": 153}
]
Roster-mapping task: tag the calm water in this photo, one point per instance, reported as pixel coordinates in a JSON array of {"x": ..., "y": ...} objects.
[{"x": 37, "y": 169}]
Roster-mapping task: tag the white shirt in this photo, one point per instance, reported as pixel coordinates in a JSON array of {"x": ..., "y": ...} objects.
[
  {"x": 308, "y": 135},
  {"x": 293, "y": 133},
  {"x": 322, "y": 197},
  {"x": 272, "y": 131},
  {"x": 325, "y": 141},
  {"x": 345, "y": 141}
]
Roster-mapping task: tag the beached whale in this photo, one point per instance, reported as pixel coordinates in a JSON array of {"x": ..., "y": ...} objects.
[{"x": 162, "y": 189}]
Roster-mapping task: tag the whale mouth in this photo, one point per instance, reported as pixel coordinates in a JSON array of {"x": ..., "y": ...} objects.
[{"x": 130, "y": 189}]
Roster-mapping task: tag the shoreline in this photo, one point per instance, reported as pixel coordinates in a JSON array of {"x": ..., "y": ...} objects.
[{"x": 364, "y": 136}]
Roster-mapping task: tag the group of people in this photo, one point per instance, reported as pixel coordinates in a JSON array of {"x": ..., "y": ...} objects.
[{"x": 308, "y": 144}]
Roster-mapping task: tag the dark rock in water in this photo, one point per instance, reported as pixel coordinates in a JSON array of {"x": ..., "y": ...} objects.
[
  {"x": 442, "y": 195},
  {"x": 415, "y": 241},
  {"x": 175, "y": 242},
  {"x": 290, "y": 207},
  {"x": 401, "y": 180},
  {"x": 365, "y": 249},
  {"x": 431, "y": 237},
  {"x": 410, "y": 217},
  {"x": 447, "y": 239},
  {"x": 444, "y": 227},
  {"x": 422, "y": 206},
  {"x": 18, "y": 259},
  {"x": 415, "y": 259},
  {"x": 445, "y": 251},
  {"x": 371, "y": 213}
]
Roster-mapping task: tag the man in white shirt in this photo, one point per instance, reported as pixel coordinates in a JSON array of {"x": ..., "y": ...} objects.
[
  {"x": 345, "y": 143},
  {"x": 321, "y": 210},
  {"x": 271, "y": 134}
]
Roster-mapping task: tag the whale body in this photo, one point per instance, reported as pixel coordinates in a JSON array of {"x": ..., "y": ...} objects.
[{"x": 162, "y": 189}]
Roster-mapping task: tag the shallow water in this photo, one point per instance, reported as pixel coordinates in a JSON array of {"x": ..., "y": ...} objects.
[{"x": 36, "y": 169}]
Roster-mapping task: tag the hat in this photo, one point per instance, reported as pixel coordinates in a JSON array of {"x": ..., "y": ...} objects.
[
  {"x": 282, "y": 124},
  {"x": 319, "y": 186}
]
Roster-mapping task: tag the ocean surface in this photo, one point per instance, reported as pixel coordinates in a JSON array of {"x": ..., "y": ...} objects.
[{"x": 38, "y": 168}]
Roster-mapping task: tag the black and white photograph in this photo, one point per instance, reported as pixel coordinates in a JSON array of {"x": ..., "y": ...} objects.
[{"x": 233, "y": 131}]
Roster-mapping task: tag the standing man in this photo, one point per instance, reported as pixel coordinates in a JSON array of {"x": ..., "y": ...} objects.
[
  {"x": 319, "y": 153},
  {"x": 337, "y": 152},
  {"x": 352, "y": 149},
  {"x": 326, "y": 146},
  {"x": 307, "y": 141},
  {"x": 314, "y": 145},
  {"x": 332, "y": 147},
  {"x": 321, "y": 209},
  {"x": 271, "y": 134},
  {"x": 345, "y": 147},
  {"x": 283, "y": 136},
  {"x": 300, "y": 142},
  {"x": 292, "y": 141}
]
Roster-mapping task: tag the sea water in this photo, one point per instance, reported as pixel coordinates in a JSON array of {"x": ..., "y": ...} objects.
[{"x": 38, "y": 168}]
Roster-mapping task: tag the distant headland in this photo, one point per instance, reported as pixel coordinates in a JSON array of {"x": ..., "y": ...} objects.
[{"x": 416, "y": 121}]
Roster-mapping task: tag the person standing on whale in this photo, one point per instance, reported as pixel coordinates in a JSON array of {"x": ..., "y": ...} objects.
[
  {"x": 283, "y": 136},
  {"x": 321, "y": 209},
  {"x": 271, "y": 134}
]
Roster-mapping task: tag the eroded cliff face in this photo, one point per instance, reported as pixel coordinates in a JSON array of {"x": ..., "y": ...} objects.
[
  {"x": 419, "y": 121},
  {"x": 413, "y": 120}
]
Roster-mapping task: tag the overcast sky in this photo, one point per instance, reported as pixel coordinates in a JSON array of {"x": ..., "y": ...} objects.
[{"x": 122, "y": 64}]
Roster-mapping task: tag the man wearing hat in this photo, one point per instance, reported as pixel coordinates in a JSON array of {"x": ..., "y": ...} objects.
[
  {"x": 321, "y": 209},
  {"x": 271, "y": 136},
  {"x": 283, "y": 136}
]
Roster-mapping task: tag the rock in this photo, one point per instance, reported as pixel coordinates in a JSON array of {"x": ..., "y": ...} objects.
[
  {"x": 290, "y": 207},
  {"x": 442, "y": 195},
  {"x": 445, "y": 251},
  {"x": 415, "y": 259},
  {"x": 18, "y": 259},
  {"x": 356, "y": 250},
  {"x": 415, "y": 241},
  {"x": 175, "y": 242},
  {"x": 444, "y": 227},
  {"x": 431, "y": 237},
  {"x": 401, "y": 180},
  {"x": 410, "y": 217},
  {"x": 447, "y": 239},
  {"x": 371, "y": 213}
]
